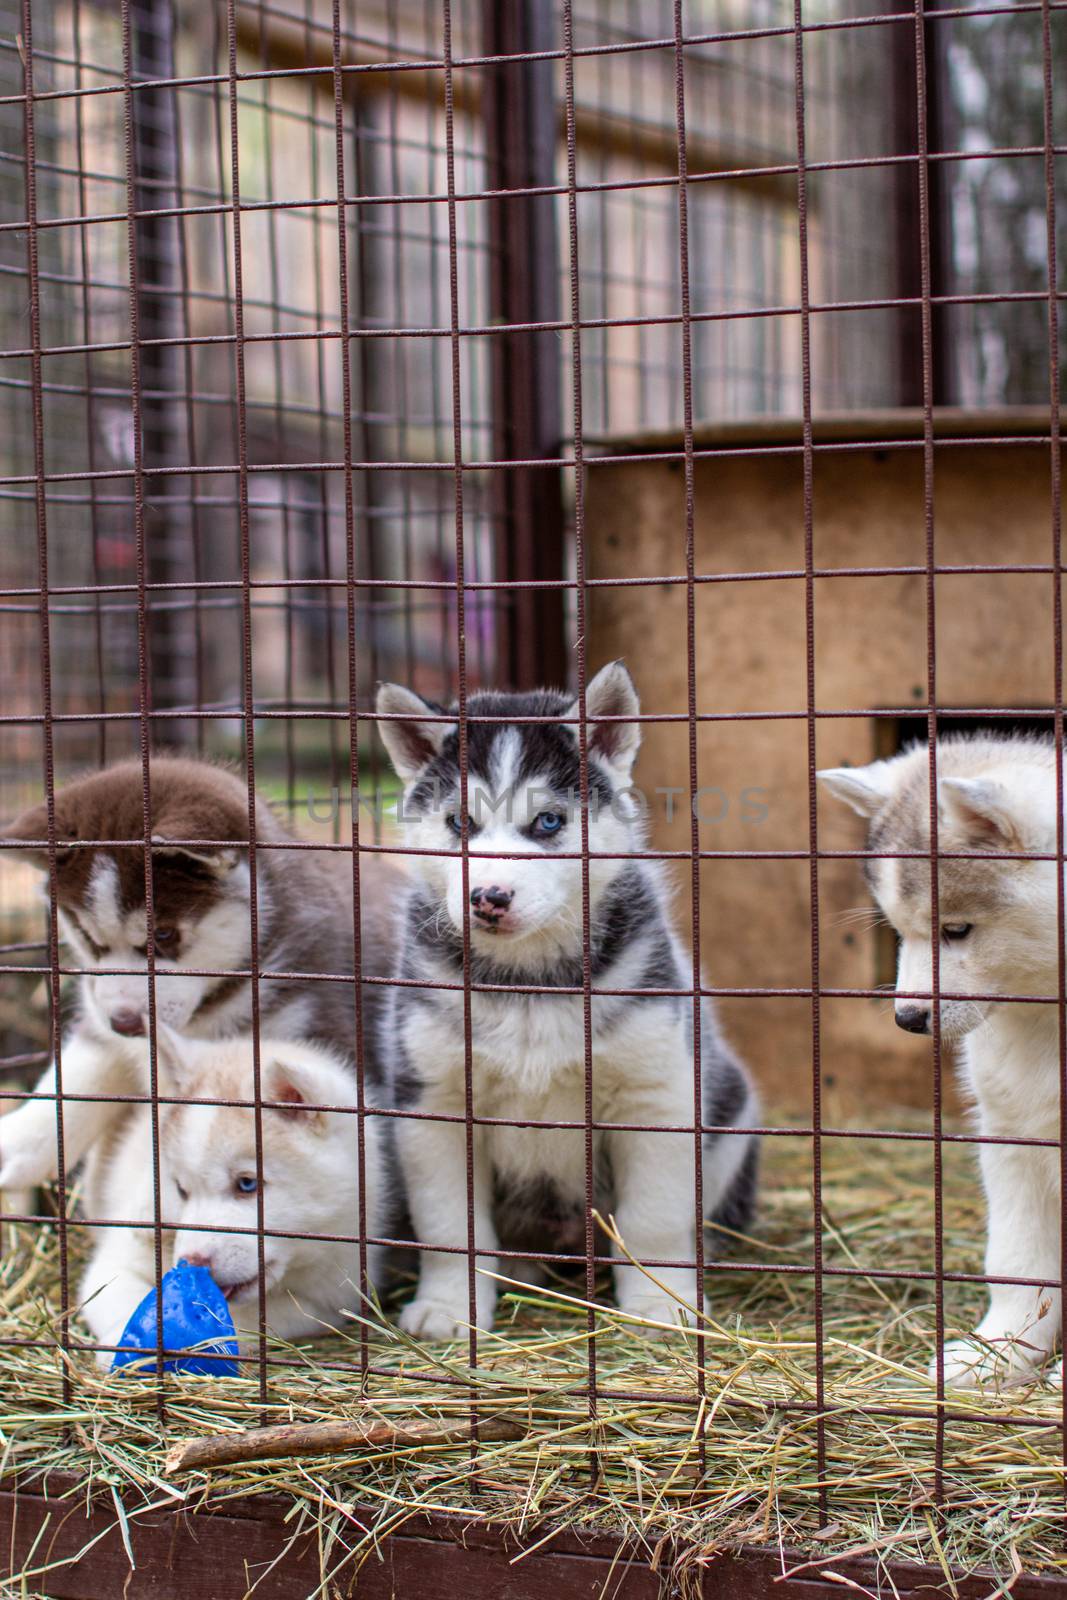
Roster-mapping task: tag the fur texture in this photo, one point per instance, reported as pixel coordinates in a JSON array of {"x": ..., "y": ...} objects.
[
  {"x": 528, "y": 1050},
  {"x": 997, "y": 936},
  {"x": 208, "y": 1173},
  {"x": 201, "y": 900}
]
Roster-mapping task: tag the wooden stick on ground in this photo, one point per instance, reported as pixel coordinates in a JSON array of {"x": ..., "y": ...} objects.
[{"x": 328, "y": 1438}]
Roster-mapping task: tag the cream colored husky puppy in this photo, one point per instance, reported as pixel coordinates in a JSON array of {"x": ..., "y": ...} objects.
[
  {"x": 209, "y": 1183},
  {"x": 995, "y": 795}
]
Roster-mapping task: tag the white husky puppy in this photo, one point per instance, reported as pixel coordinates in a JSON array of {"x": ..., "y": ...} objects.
[
  {"x": 997, "y": 936},
  {"x": 525, "y": 893},
  {"x": 209, "y": 1182}
]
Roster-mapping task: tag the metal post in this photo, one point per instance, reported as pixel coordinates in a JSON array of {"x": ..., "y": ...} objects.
[
  {"x": 937, "y": 122},
  {"x": 519, "y": 110},
  {"x": 170, "y": 631},
  {"x": 909, "y": 344}
]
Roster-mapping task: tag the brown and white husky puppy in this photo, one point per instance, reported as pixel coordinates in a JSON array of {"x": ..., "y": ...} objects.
[{"x": 202, "y": 939}]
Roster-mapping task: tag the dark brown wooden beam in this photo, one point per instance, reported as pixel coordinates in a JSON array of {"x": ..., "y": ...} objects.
[
  {"x": 218, "y": 1555},
  {"x": 521, "y": 143}
]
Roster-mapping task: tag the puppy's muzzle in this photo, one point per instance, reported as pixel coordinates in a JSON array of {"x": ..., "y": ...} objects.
[
  {"x": 913, "y": 1019},
  {"x": 490, "y": 905},
  {"x": 127, "y": 1021}
]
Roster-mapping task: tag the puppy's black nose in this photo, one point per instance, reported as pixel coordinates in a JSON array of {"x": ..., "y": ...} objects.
[
  {"x": 128, "y": 1022},
  {"x": 493, "y": 898},
  {"x": 913, "y": 1019}
]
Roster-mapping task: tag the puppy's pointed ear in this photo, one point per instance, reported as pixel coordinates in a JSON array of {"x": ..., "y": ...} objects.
[
  {"x": 218, "y": 861},
  {"x": 411, "y": 742},
  {"x": 173, "y": 1056},
  {"x": 295, "y": 1086},
  {"x": 865, "y": 789},
  {"x": 982, "y": 811},
  {"x": 33, "y": 824},
  {"x": 611, "y": 693},
  {"x": 188, "y": 804}
]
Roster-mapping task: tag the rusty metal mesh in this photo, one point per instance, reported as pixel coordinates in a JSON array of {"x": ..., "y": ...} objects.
[{"x": 316, "y": 323}]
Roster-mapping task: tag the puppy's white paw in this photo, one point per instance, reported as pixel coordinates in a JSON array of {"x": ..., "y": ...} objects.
[
  {"x": 434, "y": 1319},
  {"x": 653, "y": 1306},
  {"x": 27, "y": 1149},
  {"x": 972, "y": 1364},
  {"x": 967, "y": 1363}
]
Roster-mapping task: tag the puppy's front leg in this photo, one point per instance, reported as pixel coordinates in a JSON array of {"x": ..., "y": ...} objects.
[
  {"x": 433, "y": 1156},
  {"x": 29, "y": 1151},
  {"x": 655, "y": 1183},
  {"x": 1019, "y": 1330},
  {"x": 119, "y": 1275}
]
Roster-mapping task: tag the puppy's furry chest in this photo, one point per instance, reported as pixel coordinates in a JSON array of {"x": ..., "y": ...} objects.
[
  {"x": 522, "y": 1158},
  {"x": 536, "y": 1077},
  {"x": 1011, "y": 1066},
  {"x": 524, "y": 1043},
  {"x": 532, "y": 1037}
]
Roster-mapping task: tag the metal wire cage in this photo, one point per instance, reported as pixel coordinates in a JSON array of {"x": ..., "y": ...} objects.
[{"x": 319, "y": 325}]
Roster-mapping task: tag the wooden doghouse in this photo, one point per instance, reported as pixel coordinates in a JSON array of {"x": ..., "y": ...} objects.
[{"x": 994, "y": 636}]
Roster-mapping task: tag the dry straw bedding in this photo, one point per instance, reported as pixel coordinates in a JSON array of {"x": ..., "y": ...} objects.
[{"x": 758, "y": 1478}]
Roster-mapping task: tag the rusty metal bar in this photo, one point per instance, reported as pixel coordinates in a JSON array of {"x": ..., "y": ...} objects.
[
  {"x": 521, "y": 133},
  {"x": 423, "y": 511}
]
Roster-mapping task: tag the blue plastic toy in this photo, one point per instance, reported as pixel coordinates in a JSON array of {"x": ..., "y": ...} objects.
[{"x": 196, "y": 1319}]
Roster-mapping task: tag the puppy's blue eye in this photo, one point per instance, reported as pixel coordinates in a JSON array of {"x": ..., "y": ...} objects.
[
  {"x": 548, "y": 822},
  {"x": 955, "y": 930},
  {"x": 246, "y": 1183},
  {"x": 454, "y": 824}
]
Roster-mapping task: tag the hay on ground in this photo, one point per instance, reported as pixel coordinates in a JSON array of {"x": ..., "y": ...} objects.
[{"x": 739, "y": 1465}]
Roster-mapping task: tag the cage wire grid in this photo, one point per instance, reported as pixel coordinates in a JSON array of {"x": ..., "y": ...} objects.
[{"x": 380, "y": 461}]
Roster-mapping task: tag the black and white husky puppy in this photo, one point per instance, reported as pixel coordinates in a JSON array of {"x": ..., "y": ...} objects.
[{"x": 528, "y": 1050}]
